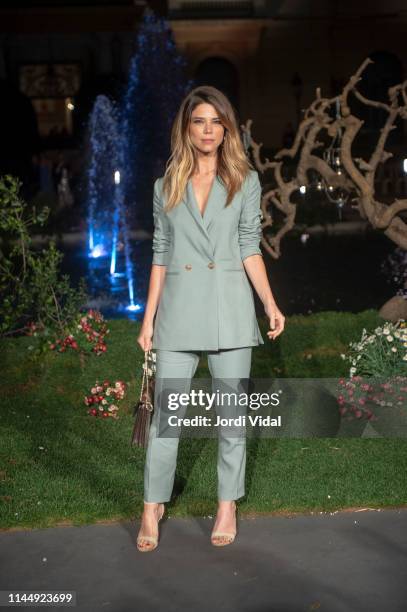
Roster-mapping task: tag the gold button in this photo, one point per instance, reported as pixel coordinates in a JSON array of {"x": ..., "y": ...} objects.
[
  {"x": 188, "y": 267},
  {"x": 211, "y": 265}
]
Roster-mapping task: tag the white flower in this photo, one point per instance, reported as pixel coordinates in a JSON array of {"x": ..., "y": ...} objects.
[
  {"x": 394, "y": 350},
  {"x": 390, "y": 338}
]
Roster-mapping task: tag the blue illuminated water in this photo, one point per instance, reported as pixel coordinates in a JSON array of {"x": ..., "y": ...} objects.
[{"x": 129, "y": 141}]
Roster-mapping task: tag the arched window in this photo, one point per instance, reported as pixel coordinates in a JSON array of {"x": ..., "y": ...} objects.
[{"x": 220, "y": 73}]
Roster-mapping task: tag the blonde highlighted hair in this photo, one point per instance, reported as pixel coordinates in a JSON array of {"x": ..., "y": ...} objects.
[{"x": 232, "y": 163}]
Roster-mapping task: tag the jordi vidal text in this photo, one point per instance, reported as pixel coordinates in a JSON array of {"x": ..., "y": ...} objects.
[{"x": 240, "y": 421}]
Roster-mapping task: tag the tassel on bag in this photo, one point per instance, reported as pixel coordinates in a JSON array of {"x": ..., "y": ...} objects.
[{"x": 143, "y": 410}]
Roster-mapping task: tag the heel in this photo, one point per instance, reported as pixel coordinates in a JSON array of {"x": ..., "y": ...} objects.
[
  {"x": 151, "y": 540},
  {"x": 224, "y": 538}
]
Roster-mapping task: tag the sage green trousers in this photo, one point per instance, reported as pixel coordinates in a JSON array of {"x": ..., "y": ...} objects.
[{"x": 161, "y": 455}]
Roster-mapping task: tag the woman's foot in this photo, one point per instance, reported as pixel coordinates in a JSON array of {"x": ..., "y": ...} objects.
[
  {"x": 224, "y": 530},
  {"x": 147, "y": 538}
]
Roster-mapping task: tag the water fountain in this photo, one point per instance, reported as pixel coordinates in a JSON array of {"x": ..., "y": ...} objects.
[
  {"x": 103, "y": 156},
  {"x": 128, "y": 143},
  {"x": 108, "y": 235}
]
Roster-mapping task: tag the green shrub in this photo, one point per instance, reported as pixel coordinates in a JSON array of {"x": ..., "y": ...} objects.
[{"x": 33, "y": 293}]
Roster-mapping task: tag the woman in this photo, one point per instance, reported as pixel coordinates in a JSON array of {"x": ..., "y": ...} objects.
[{"x": 207, "y": 229}]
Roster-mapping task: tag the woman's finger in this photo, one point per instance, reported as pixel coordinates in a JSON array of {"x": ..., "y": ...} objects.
[{"x": 273, "y": 321}]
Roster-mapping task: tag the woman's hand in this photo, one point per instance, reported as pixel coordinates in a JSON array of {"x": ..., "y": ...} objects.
[
  {"x": 277, "y": 320},
  {"x": 145, "y": 336}
]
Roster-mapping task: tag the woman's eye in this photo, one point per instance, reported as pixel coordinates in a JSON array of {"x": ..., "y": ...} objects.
[{"x": 200, "y": 121}]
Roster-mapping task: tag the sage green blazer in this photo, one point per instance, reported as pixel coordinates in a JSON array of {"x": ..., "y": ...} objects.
[{"x": 207, "y": 300}]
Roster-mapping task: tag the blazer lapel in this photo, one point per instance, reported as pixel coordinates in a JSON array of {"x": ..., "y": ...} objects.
[
  {"x": 192, "y": 206},
  {"x": 216, "y": 201}
]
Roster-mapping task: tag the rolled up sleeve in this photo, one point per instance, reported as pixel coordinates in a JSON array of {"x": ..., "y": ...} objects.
[
  {"x": 162, "y": 234},
  {"x": 250, "y": 219}
]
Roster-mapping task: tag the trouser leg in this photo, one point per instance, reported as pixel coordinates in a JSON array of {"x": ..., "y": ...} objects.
[
  {"x": 230, "y": 365},
  {"x": 161, "y": 454}
]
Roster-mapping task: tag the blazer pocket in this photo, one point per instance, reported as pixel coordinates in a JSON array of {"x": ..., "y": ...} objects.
[
  {"x": 230, "y": 265},
  {"x": 233, "y": 269}
]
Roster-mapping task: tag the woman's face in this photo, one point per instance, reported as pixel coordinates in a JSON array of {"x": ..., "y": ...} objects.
[{"x": 205, "y": 129}]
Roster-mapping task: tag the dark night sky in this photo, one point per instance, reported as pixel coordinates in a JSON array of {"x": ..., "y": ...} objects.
[{"x": 273, "y": 7}]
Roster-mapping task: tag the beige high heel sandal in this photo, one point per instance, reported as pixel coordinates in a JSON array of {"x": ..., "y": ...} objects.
[
  {"x": 230, "y": 537},
  {"x": 153, "y": 540}
]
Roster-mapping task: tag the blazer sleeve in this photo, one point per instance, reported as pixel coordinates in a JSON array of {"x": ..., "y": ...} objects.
[
  {"x": 162, "y": 235},
  {"x": 250, "y": 231}
]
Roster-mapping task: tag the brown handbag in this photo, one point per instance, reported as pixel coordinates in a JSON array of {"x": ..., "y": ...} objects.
[{"x": 144, "y": 408}]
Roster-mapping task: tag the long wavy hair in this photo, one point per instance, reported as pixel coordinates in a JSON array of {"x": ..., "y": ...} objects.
[{"x": 232, "y": 163}]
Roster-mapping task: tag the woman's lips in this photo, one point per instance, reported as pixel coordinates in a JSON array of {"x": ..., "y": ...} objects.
[{"x": 207, "y": 140}]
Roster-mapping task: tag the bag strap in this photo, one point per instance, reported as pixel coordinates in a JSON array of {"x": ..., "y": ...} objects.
[{"x": 145, "y": 380}]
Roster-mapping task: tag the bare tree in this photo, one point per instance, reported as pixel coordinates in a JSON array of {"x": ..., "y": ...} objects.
[{"x": 359, "y": 176}]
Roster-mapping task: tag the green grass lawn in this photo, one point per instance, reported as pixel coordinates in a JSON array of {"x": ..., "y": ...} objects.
[{"x": 57, "y": 464}]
